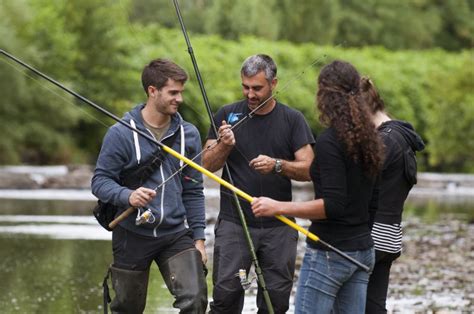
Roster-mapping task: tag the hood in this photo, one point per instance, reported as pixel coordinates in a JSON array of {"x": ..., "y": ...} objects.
[
  {"x": 135, "y": 114},
  {"x": 407, "y": 131}
]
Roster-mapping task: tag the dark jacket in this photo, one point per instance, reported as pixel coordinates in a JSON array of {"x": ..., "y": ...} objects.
[
  {"x": 398, "y": 173},
  {"x": 178, "y": 200}
]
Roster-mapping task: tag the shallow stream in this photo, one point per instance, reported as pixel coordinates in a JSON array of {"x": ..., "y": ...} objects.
[{"x": 54, "y": 255}]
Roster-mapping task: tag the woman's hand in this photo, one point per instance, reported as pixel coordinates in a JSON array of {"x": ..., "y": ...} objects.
[{"x": 266, "y": 207}]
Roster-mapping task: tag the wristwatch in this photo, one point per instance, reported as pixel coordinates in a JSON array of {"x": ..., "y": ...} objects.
[{"x": 278, "y": 166}]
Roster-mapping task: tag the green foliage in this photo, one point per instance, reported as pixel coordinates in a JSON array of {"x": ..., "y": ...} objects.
[
  {"x": 451, "y": 117},
  {"x": 25, "y": 99},
  {"x": 408, "y": 24},
  {"x": 309, "y": 21},
  {"x": 92, "y": 48},
  {"x": 411, "y": 24},
  {"x": 412, "y": 84}
]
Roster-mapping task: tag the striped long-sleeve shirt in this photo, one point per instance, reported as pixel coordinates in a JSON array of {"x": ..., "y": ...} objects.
[{"x": 387, "y": 237}]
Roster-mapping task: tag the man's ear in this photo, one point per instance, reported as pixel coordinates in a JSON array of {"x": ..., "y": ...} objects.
[
  {"x": 152, "y": 91},
  {"x": 274, "y": 83},
  {"x": 149, "y": 91}
]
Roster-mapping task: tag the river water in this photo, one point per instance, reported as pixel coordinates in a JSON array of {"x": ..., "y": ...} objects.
[{"x": 54, "y": 255}]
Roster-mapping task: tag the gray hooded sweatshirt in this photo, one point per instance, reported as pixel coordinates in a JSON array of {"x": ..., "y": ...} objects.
[{"x": 178, "y": 202}]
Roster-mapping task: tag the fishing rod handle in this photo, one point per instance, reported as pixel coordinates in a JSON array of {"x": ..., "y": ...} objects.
[{"x": 121, "y": 217}]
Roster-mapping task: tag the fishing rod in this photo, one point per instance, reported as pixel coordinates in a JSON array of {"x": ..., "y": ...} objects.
[
  {"x": 243, "y": 222},
  {"x": 186, "y": 160},
  {"x": 226, "y": 168}
]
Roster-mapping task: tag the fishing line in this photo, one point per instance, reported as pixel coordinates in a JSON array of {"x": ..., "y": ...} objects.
[
  {"x": 240, "y": 122},
  {"x": 252, "y": 113},
  {"x": 167, "y": 149},
  {"x": 135, "y": 35},
  {"x": 51, "y": 90}
]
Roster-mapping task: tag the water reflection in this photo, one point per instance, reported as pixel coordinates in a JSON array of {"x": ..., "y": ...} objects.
[
  {"x": 54, "y": 255},
  {"x": 51, "y": 263}
]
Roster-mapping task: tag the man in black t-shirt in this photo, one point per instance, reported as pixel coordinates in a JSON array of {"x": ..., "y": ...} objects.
[{"x": 263, "y": 154}]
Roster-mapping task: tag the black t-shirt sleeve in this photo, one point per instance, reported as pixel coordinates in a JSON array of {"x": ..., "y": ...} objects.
[
  {"x": 300, "y": 131},
  {"x": 332, "y": 167}
]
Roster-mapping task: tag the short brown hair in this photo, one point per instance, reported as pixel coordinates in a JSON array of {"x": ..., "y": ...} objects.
[
  {"x": 158, "y": 71},
  {"x": 370, "y": 95}
]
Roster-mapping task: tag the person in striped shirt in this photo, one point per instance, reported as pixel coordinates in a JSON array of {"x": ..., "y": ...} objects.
[{"x": 396, "y": 180}]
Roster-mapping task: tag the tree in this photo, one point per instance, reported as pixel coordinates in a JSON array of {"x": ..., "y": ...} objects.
[
  {"x": 28, "y": 133},
  {"x": 308, "y": 21}
]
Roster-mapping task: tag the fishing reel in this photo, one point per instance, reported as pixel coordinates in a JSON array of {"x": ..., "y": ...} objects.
[
  {"x": 245, "y": 281},
  {"x": 144, "y": 216}
]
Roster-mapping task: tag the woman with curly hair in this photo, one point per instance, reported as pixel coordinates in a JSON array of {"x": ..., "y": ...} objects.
[
  {"x": 396, "y": 180},
  {"x": 348, "y": 160}
]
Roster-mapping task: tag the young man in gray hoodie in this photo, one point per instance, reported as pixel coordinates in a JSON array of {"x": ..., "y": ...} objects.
[{"x": 169, "y": 225}]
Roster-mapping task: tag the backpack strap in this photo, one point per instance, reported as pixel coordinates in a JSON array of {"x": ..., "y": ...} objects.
[
  {"x": 136, "y": 142},
  {"x": 183, "y": 145},
  {"x": 135, "y": 177}
]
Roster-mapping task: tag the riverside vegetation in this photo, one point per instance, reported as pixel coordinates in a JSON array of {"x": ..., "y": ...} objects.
[{"x": 98, "y": 49}]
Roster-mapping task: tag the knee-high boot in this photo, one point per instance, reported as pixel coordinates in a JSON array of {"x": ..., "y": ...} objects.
[
  {"x": 184, "y": 276},
  {"x": 130, "y": 288}
]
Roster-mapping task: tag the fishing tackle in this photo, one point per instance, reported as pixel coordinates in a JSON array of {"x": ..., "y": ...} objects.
[
  {"x": 244, "y": 281},
  {"x": 186, "y": 160},
  {"x": 144, "y": 217}
]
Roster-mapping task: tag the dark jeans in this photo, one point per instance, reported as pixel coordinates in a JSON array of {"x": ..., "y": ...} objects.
[
  {"x": 134, "y": 252},
  {"x": 378, "y": 282},
  {"x": 276, "y": 254}
]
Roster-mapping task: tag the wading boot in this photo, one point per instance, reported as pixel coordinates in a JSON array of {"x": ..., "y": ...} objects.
[
  {"x": 184, "y": 276},
  {"x": 130, "y": 288}
]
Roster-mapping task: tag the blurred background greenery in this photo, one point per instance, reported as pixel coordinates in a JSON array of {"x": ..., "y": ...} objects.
[{"x": 418, "y": 52}]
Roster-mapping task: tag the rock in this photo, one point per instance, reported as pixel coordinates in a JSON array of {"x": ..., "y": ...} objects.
[
  {"x": 52, "y": 177},
  {"x": 17, "y": 181},
  {"x": 78, "y": 177}
]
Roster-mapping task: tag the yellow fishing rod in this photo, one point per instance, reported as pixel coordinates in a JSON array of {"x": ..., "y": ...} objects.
[
  {"x": 237, "y": 191},
  {"x": 186, "y": 160}
]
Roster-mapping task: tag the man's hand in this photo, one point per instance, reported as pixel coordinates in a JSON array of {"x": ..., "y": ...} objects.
[
  {"x": 263, "y": 164},
  {"x": 199, "y": 244},
  {"x": 141, "y": 196},
  {"x": 226, "y": 136}
]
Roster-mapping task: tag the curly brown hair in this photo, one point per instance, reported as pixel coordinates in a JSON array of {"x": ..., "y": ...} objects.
[{"x": 342, "y": 107}]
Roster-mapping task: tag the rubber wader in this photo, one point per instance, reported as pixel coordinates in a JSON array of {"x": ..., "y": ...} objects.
[
  {"x": 184, "y": 276},
  {"x": 130, "y": 288}
]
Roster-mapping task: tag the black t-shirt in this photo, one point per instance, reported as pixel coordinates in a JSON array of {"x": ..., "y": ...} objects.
[
  {"x": 346, "y": 191},
  {"x": 278, "y": 134}
]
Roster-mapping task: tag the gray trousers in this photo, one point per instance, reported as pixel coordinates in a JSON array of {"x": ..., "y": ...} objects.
[{"x": 276, "y": 253}]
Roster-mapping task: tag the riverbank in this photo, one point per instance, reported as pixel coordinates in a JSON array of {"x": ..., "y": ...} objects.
[
  {"x": 78, "y": 177},
  {"x": 433, "y": 275}
]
